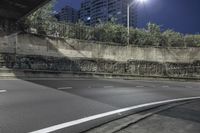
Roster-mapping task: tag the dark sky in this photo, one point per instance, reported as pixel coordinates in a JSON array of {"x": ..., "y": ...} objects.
[{"x": 179, "y": 15}]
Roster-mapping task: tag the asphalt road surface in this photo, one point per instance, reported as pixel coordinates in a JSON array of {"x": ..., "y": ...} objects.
[{"x": 27, "y": 106}]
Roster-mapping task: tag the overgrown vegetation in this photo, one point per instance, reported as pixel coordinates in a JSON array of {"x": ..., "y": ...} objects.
[{"x": 43, "y": 22}]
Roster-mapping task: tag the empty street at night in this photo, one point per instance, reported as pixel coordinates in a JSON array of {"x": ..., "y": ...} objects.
[
  {"x": 99, "y": 66},
  {"x": 32, "y": 105}
]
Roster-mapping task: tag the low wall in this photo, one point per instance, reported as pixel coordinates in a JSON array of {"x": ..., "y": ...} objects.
[
  {"x": 29, "y": 44},
  {"x": 34, "y": 52}
]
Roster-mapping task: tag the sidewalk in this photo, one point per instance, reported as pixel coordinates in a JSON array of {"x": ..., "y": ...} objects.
[{"x": 174, "y": 118}]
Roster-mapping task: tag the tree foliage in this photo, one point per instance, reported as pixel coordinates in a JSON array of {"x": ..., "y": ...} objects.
[
  {"x": 192, "y": 40},
  {"x": 44, "y": 22},
  {"x": 110, "y": 32},
  {"x": 173, "y": 39},
  {"x": 44, "y": 13},
  {"x": 42, "y": 18}
]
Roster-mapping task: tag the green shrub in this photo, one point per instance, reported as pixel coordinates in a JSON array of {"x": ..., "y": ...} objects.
[
  {"x": 192, "y": 40},
  {"x": 173, "y": 39},
  {"x": 43, "y": 21}
]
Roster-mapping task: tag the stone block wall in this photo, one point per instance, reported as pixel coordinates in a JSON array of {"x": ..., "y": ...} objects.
[{"x": 132, "y": 67}]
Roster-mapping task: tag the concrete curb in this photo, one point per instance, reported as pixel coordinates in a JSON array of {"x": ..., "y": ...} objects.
[{"x": 122, "y": 123}]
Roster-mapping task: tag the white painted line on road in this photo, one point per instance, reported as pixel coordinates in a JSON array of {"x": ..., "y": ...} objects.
[
  {"x": 140, "y": 86},
  {"x": 3, "y": 91},
  {"x": 64, "y": 88},
  {"x": 108, "y": 86},
  {"x": 8, "y": 79},
  {"x": 165, "y": 86},
  {"x": 190, "y": 87},
  {"x": 98, "y": 116}
]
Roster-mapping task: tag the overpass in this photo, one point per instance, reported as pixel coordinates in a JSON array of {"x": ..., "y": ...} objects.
[
  {"x": 16, "y": 9},
  {"x": 12, "y": 11}
]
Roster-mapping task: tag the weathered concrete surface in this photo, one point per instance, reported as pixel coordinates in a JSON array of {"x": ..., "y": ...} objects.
[
  {"x": 34, "y": 52},
  {"x": 28, "y": 44},
  {"x": 172, "y": 118},
  {"x": 8, "y": 43},
  {"x": 87, "y": 65},
  {"x": 56, "y": 47},
  {"x": 181, "y": 119}
]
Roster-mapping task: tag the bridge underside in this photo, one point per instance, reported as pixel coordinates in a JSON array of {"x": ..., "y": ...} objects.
[
  {"x": 16, "y": 9},
  {"x": 13, "y": 10}
]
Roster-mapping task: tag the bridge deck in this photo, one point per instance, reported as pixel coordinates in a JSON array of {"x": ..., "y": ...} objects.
[{"x": 15, "y": 9}]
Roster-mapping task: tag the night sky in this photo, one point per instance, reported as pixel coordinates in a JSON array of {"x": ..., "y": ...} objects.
[{"x": 179, "y": 15}]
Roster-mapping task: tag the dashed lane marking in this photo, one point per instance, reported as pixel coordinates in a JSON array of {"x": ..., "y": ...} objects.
[
  {"x": 3, "y": 91},
  {"x": 140, "y": 86},
  {"x": 108, "y": 86},
  {"x": 190, "y": 87},
  {"x": 165, "y": 86}
]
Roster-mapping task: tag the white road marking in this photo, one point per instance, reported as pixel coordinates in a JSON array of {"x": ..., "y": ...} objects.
[
  {"x": 188, "y": 87},
  {"x": 7, "y": 79},
  {"x": 165, "y": 86},
  {"x": 108, "y": 86},
  {"x": 140, "y": 86},
  {"x": 98, "y": 116},
  {"x": 3, "y": 91},
  {"x": 64, "y": 88}
]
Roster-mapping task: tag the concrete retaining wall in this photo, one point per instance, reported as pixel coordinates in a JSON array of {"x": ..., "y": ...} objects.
[
  {"x": 34, "y": 52},
  {"x": 86, "y": 65},
  {"x": 28, "y": 44}
]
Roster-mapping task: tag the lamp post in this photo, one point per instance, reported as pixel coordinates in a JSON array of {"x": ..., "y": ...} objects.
[{"x": 134, "y": 2}]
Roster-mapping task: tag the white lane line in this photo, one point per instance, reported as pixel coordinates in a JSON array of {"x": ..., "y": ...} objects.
[
  {"x": 7, "y": 79},
  {"x": 190, "y": 87},
  {"x": 108, "y": 86},
  {"x": 165, "y": 86},
  {"x": 3, "y": 91},
  {"x": 64, "y": 88},
  {"x": 140, "y": 86},
  {"x": 98, "y": 116}
]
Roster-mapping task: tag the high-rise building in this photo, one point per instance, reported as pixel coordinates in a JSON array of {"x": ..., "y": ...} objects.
[
  {"x": 85, "y": 11},
  {"x": 95, "y": 11},
  {"x": 68, "y": 14}
]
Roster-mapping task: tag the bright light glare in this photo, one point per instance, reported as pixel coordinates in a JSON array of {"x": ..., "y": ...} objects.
[{"x": 142, "y": 1}]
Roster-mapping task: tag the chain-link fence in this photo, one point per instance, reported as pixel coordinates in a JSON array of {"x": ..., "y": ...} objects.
[
  {"x": 102, "y": 33},
  {"x": 114, "y": 33}
]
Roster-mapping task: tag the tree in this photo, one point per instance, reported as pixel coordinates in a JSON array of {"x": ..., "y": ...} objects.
[
  {"x": 44, "y": 13},
  {"x": 110, "y": 32},
  {"x": 173, "y": 39},
  {"x": 42, "y": 19},
  {"x": 192, "y": 40},
  {"x": 154, "y": 34}
]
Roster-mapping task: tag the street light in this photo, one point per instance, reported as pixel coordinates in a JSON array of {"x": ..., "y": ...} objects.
[
  {"x": 142, "y": 1},
  {"x": 134, "y": 2}
]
